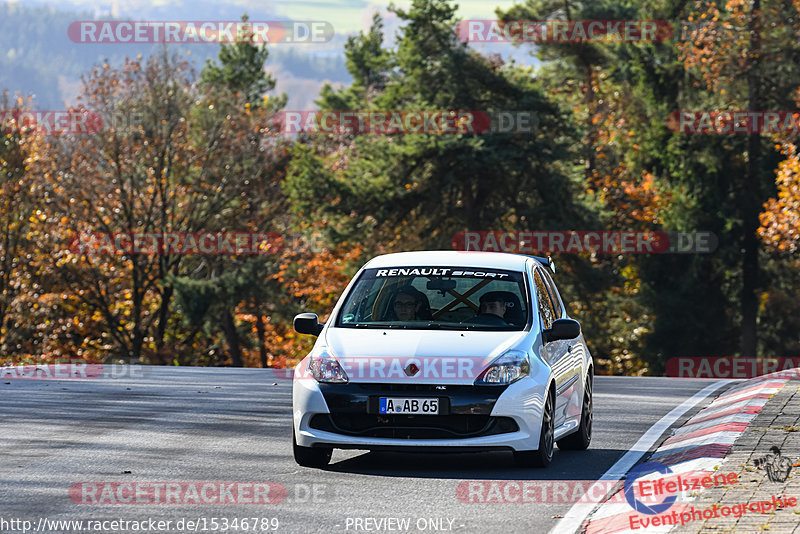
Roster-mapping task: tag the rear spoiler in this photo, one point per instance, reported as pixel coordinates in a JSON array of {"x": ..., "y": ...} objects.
[{"x": 547, "y": 262}]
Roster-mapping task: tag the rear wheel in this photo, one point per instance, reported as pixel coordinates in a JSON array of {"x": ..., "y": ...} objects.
[
  {"x": 311, "y": 456},
  {"x": 544, "y": 455},
  {"x": 580, "y": 440}
]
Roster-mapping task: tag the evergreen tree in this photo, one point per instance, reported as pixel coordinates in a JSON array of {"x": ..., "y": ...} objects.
[
  {"x": 419, "y": 189},
  {"x": 235, "y": 92}
]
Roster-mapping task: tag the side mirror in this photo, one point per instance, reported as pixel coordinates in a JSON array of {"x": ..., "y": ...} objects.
[
  {"x": 308, "y": 323},
  {"x": 562, "y": 329}
]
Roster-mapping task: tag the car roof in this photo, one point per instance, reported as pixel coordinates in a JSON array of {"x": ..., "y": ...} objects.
[{"x": 436, "y": 258}]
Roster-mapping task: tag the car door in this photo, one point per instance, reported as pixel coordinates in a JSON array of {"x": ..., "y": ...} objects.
[
  {"x": 575, "y": 356},
  {"x": 553, "y": 352}
]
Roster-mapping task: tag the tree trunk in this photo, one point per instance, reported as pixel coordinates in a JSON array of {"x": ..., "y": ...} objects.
[
  {"x": 589, "y": 99},
  {"x": 232, "y": 337},
  {"x": 590, "y": 141},
  {"x": 750, "y": 195},
  {"x": 163, "y": 317},
  {"x": 262, "y": 347},
  {"x": 137, "y": 336},
  {"x": 471, "y": 215}
]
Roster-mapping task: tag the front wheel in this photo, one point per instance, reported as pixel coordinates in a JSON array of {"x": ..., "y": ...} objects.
[
  {"x": 580, "y": 440},
  {"x": 544, "y": 454},
  {"x": 310, "y": 456}
]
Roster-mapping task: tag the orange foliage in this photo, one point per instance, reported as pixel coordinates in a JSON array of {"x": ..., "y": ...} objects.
[
  {"x": 634, "y": 199},
  {"x": 780, "y": 220},
  {"x": 315, "y": 278}
]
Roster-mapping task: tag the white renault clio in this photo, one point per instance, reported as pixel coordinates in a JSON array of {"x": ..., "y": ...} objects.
[{"x": 445, "y": 350}]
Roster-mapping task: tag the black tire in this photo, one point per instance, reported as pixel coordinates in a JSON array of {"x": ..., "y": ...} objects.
[
  {"x": 579, "y": 441},
  {"x": 544, "y": 454},
  {"x": 311, "y": 456}
]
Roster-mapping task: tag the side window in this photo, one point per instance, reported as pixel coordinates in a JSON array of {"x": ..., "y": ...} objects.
[
  {"x": 546, "y": 310},
  {"x": 554, "y": 294}
]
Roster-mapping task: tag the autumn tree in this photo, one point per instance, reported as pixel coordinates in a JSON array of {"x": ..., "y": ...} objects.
[
  {"x": 249, "y": 156},
  {"x": 745, "y": 52},
  {"x": 574, "y": 67},
  {"x": 592, "y": 79},
  {"x": 123, "y": 178},
  {"x": 190, "y": 163},
  {"x": 16, "y": 207},
  {"x": 780, "y": 220}
]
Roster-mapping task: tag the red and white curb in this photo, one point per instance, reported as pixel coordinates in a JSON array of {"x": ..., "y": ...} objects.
[
  {"x": 697, "y": 448},
  {"x": 576, "y": 516}
]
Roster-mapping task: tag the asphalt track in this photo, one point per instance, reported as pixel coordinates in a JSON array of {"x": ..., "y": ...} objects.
[{"x": 204, "y": 424}]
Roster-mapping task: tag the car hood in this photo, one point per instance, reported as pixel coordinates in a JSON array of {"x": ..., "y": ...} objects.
[{"x": 417, "y": 356}]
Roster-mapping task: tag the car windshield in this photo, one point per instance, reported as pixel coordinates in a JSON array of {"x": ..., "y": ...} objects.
[{"x": 452, "y": 298}]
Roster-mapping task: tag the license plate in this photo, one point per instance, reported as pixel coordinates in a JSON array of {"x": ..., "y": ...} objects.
[{"x": 408, "y": 406}]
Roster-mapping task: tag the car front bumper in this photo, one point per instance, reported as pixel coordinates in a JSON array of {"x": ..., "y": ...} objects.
[{"x": 471, "y": 417}]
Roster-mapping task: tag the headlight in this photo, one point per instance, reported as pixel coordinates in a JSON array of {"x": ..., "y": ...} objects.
[
  {"x": 325, "y": 368},
  {"x": 506, "y": 369}
]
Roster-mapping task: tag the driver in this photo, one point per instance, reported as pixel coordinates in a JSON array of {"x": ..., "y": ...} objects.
[
  {"x": 493, "y": 303},
  {"x": 492, "y": 310}
]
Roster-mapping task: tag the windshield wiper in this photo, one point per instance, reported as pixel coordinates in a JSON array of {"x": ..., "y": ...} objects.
[{"x": 434, "y": 326}]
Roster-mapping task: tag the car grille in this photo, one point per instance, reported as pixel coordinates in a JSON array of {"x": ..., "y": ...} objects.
[{"x": 413, "y": 426}]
